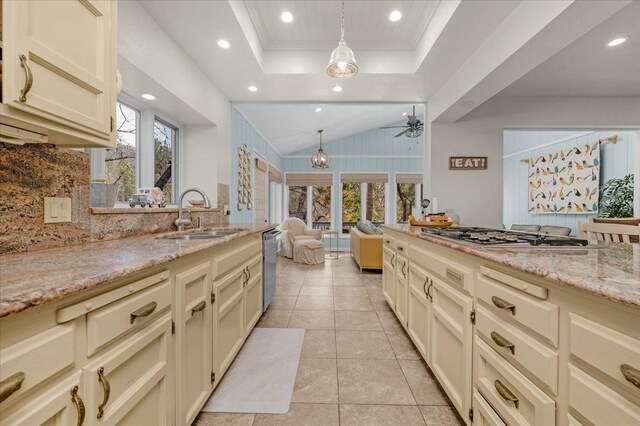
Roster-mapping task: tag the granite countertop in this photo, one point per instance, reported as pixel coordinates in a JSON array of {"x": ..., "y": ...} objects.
[
  {"x": 612, "y": 270},
  {"x": 36, "y": 278}
]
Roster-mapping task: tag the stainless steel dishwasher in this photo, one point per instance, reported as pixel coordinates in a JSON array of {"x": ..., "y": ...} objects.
[{"x": 269, "y": 256}]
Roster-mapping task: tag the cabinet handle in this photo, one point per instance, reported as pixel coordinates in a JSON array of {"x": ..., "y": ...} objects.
[
  {"x": 424, "y": 287},
  {"x": 28, "y": 79},
  {"x": 505, "y": 393},
  {"x": 429, "y": 290},
  {"x": 199, "y": 307},
  {"x": 106, "y": 387},
  {"x": 404, "y": 269},
  {"x": 631, "y": 374},
  {"x": 11, "y": 385},
  {"x": 248, "y": 273},
  {"x": 503, "y": 304},
  {"x": 143, "y": 312},
  {"x": 77, "y": 401},
  {"x": 393, "y": 256},
  {"x": 400, "y": 248},
  {"x": 502, "y": 342}
]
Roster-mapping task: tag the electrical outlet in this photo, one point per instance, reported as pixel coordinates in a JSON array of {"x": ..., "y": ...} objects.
[{"x": 57, "y": 209}]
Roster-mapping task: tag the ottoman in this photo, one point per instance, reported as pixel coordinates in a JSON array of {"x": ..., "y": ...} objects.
[{"x": 308, "y": 252}]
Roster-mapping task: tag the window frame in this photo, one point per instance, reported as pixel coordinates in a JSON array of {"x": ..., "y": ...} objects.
[
  {"x": 175, "y": 156},
  {"x": 417, "y": 200},
  {"x": 309, "y": 219},
  {"x": 363, "y": 200}
]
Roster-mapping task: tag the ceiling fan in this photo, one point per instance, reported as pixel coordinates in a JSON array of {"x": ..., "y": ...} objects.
[{"x": 413, "y": 129}]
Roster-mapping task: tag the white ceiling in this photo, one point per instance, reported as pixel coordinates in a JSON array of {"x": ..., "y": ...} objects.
[
  {"x": 292, "y": 126},
  {"x": 587, "y": 67},
  {"x": 316, "y": 24}
]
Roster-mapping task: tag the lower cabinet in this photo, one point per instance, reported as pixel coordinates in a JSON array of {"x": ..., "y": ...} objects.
[
  {"x": 389, "y": 276},
  {"x": 483, "y": 413},
  {"x": 131, "y": 384},
  {"x": 402, "y": 278},
  {"x": 194, "y": 329},
  {"x": 451, "y": 340},
  {"x": 229, "y": 319},
  {"x": 253, "y": 294},
  {"x": 419, "y": 310}
]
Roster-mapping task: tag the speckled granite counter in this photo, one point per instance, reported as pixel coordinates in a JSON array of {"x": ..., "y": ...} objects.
[
  {"x": 611, "y": 271},
  {"x": 36, "y": 278}
]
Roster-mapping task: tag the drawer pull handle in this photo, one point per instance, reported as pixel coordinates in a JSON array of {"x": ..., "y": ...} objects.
[
  {"x": 502, "y": 342},
  {"x": 106, "y": 387},
  {"x": 400, "y": 248},
  {"x": 393, "y": 257},
  {"x": 503, "y": 304},
  {"x": 631, "y": 374},
  {"x": 404, "y": 270},
  {"x": 146, "y": 310},
  {"x": 199, "y": 307},
  {"x": 11, "y": 385},
  {"x": 28, "y": 79},
  {"x": 424, "y": 287},
  {"x": 429, "y": 290},
  {"x": 77, "y": 401},
  {"x": 505, "y": 393},
  {"x": 248, "y": 274}
]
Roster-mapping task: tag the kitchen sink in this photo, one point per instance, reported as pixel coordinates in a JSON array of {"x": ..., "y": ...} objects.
[{"x": 200, "y": 235}]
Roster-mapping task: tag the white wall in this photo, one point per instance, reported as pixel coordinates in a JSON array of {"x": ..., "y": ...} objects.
[
  {"x": 143, "y": 43},
  {"x": 477, "y": 195},
  {"x": 200, "y": 165}
]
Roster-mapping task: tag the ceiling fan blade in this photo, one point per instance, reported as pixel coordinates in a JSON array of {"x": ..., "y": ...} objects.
[
  {"x": 394, "y": 127},
  {"x": 402, "y": 133}
]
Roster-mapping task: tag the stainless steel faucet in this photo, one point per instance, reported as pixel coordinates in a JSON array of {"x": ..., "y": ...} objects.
[{"x": 182, "y": 222}]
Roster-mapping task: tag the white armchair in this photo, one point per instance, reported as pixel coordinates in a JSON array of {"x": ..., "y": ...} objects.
[{"x": 294, "y": 229}]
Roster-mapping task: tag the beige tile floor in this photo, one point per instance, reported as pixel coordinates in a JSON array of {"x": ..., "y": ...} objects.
[{"x": 358, "y": 366}]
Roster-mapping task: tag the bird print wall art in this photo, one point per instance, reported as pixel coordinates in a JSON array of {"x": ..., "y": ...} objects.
[{"x": 565, "y": 182}]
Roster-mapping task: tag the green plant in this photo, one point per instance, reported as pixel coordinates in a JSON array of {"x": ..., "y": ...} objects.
[{"x": 616, "y": 198}]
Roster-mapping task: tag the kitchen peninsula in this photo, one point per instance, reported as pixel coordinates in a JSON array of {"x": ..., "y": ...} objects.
[{"x": 522, "y": 335}]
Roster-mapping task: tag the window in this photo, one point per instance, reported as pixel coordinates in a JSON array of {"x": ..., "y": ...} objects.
[
  {"x": 375, "y": 202},
  {"x": 298, "y": 202},
  {"x": 351, "y": 203},
  {"x": 321, "y": 204},
  {"x": 408, "y": 196},
  {"x": 120, "y": 163},
  {"x": 164, "y": 138}
]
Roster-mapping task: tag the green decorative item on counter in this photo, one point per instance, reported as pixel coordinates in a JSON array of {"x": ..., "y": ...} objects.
[{"x": 616, "y": 197}]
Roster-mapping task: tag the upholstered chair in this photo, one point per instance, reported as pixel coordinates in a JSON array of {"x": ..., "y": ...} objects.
[{"x": 294, "y": 229}]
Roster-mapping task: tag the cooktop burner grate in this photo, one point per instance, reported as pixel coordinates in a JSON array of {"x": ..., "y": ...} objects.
[{"x": 498, "y": 237}]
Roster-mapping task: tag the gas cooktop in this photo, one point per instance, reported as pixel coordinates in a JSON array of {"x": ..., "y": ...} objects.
[{"x": 498, "y": 237}]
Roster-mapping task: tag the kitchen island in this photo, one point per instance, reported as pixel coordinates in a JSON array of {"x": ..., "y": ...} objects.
[
  {"x": 521, "y": 335},
  {"x": 138, "y": 330}
]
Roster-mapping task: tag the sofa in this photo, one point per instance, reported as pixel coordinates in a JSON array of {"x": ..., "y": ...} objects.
[
  {"x": 366, "y": 249},
  {"x": 294, "y": 229}
]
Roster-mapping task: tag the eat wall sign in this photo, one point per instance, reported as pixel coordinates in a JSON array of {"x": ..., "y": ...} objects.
[{"x": 467, "y": 163}]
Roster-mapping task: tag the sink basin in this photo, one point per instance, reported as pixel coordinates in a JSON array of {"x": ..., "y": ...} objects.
[{"x": 201, "y": 235}]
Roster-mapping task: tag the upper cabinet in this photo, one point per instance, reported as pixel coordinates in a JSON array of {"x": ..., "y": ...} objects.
[{"x": 59, "y": 72}]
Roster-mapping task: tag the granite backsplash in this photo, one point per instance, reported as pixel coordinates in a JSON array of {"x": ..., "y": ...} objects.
[{"x": 31, "y": 172}]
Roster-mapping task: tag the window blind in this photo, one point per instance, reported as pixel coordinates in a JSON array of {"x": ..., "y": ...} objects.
[
  {"x": 261, "y": 165},
  {"x": 409, "y": 178},
  {"x": 364, "y": 178},
  {"x": 274, "y": 175},
  {"x": 308, "y": 179}
]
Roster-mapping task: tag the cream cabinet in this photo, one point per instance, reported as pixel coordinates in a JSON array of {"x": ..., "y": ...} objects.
[
  {"x": 419, "y": 310},
  {"x": 59, "y": 71},
  {"x": 389, "y": 276},
  {"x": 402, "y": 287},
  {"x": 230, "y": 327},
  {"x": 194, "y": 323},
  {"x": 253, "y": 293}
]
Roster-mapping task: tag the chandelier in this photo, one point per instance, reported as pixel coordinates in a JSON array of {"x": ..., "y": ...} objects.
[
  {"x": 414, "y": 132},
  {"x": 342, "y": 63},
  {"x": 320, "y": 159}
]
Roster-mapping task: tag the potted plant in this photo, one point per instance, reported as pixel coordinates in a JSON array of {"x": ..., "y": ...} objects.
[{"x": 616, "y": 198}]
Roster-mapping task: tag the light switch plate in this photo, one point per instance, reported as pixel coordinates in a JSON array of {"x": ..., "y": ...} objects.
[{"x": 57, "y": 209}]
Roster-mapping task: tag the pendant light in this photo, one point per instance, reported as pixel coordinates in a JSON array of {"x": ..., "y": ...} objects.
[
  {"x": 320, "y": 159},
  {"x": 342, "y": 63}
]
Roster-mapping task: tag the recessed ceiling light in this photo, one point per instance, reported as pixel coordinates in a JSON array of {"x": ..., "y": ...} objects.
[
  {"x": 318, "y": 109},
  {"x": 148, "y": 96},
  {"x": 252, "y": 88},
  {"x": 617, "y": 41},
  {"x": 286, "y": 17},
  {"x": 337, "y": 88},
  {"x": 404, "y": 113},
  {"x": 395, "y": 16},
  {"x": 224, "y": 44}
]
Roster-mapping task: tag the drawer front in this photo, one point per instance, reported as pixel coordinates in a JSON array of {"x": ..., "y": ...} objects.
[
  {"x": 514, "y": 397},
  {"x": 402, "y": 247},
  {"x": 483, "y": 413},
  {"x": 389, "y": 242},
  {"x": 229, "y": 288},
  {"x": 518, "y": 347},
  {"x": 599, "y": 404},
  {"x": 606, "y": 350},
  {"x": 510, "y": 304},
  {"x": 237, "y": 253},
  {"x": 450, "y": 272},
  {"x": 524, "y": 286},
  {"x": 402, "y": 268},
  {"x": 389, "y": 258},
  {"x": 254, "y": 268},
  {"x": 111, "y": 321},
  {"x": 30, "y": 362}
]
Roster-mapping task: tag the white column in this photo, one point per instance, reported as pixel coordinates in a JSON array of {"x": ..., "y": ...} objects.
[
  {"x": 636, "y": 180},
  {"x": 363, "y": 201},
  {"x": 146, "y": 152}
]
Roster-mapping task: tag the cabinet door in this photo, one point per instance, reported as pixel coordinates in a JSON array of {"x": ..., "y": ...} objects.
[
  {"x": 451, "y": 340},
  {"x": 61, "y": 406},
  {"x": 67, "y": 50},
  {"x": 419, "y": 310},
  {"x": 132, "y": 383},
  {"x": 389, "y": 276},
  {"x": 253, "y": 294},
  {"x": 230, "y": 329},
  {"x": 194, "y": 323},
  {"x": 402, "y": 279}
]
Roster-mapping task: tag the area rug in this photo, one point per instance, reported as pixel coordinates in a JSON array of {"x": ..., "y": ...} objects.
[{"x": 262, "y": 376}]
